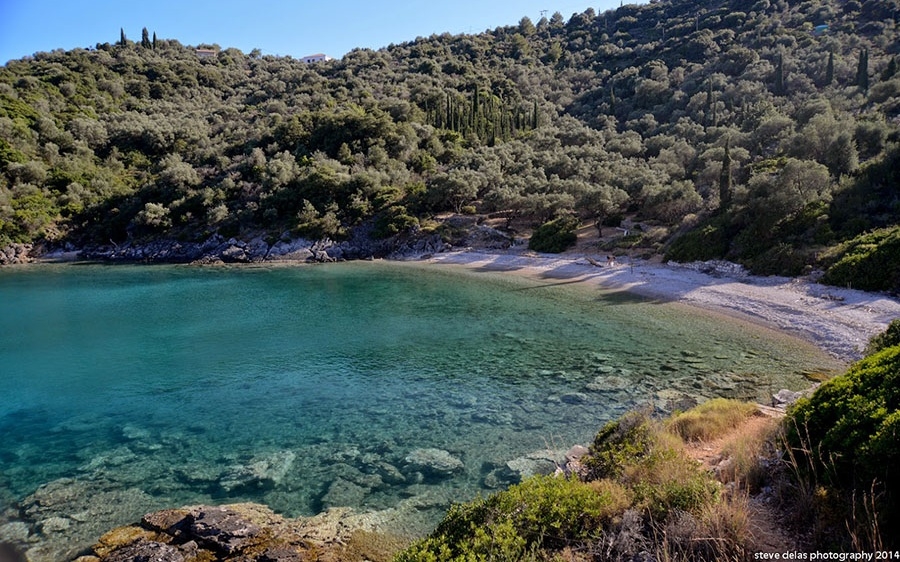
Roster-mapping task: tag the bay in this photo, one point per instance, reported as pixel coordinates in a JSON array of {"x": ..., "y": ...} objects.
[{"x": 311, "y": 387}]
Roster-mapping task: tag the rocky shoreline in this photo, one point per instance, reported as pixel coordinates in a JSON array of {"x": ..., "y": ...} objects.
[{"x": 261, "y": 248}]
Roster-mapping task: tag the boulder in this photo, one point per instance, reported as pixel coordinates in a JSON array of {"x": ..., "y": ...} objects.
[
  {"x": 784, "y": 398},
  {"x": 537, "y": 462},
  {"x": 221, "y": 529}
]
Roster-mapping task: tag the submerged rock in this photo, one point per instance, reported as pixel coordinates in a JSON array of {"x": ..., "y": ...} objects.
[
  {"x": 433, "y": 462},
  {"x": 261, "y": 472}
]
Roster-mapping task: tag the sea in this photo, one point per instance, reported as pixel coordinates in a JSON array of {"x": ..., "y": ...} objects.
[{"x": 386, "y": 387}]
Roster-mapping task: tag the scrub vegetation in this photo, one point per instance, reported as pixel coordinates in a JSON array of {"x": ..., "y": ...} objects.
[{"x": 765, "y": 133}]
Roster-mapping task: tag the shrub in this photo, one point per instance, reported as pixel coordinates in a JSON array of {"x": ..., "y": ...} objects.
[
  {"x": 618, "y": 443},
  {"x": 543, "y": 512},
  {"x": 706, "y": 242},
  {"x": 847, "y": 434},
  {"x": 888, "y": 338},
  {"x": 555, "y": 236},
  {"x": 870, "y": 262}
]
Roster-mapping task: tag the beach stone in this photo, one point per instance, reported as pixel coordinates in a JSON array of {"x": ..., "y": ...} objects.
[
  {"x": 433, "y": 462},
  {"x": 260, "y": 473}
]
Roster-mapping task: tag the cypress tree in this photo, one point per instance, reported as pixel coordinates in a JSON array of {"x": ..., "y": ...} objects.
[
  {"x": 725, "y": 178},
  {"x": 122, "y": 39},
  {"x": 829, "y": 70},
  {"x": 145, "y": 38},
  {"x": 862, "y": 71},
  {"x": 154, "y": 40},
  {"x": 780, "y": 90},
  {"x": 890, "y": 70}
]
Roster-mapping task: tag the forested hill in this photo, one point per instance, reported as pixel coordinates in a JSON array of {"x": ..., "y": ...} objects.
[{"x": 765, "y": 133}]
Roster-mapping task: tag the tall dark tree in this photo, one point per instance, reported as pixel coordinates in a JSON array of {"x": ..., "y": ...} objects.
[
  {"x": 725, "y": 179},
  {"x": 780, "y": 89},
  {"x": 145, "y": 38},
  {"x": 829, "y": 69},
  {"x": 862, "y": 71},
  {"x": 154, "y": 40},
  {"x": 122, "y": 39},
  {"x": 890, "y": 70}
]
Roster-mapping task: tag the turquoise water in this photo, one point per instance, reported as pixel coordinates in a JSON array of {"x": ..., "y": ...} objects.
[{"x": 167, "y": 385}]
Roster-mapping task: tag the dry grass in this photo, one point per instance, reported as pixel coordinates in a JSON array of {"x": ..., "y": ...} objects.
[{"x": 711, "y": 419}]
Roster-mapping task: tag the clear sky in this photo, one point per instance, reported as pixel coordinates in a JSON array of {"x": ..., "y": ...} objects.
[{"x": 277, "y": 27}]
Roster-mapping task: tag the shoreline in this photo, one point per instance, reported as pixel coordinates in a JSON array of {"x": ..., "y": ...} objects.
[{"x": 838, "y": 321}]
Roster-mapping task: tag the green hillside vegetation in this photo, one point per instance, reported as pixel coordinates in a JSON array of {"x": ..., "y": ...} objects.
[{"x": 734, "y": 130}]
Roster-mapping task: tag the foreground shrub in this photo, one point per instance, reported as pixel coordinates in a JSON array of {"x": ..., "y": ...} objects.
[
  {"x": 555, "y": 236},
  {"x": 846, "y": 437},
  {"x": 543, "y": 512}
]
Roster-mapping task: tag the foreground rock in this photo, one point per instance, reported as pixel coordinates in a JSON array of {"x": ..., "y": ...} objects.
[{"x": 246, "y": 532}]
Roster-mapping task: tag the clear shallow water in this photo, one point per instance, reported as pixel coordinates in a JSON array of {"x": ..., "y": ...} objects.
[{"x": 164, "y": 385}]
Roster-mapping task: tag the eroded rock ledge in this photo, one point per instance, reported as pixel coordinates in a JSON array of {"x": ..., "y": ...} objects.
[{"x": 247, "y": 532}]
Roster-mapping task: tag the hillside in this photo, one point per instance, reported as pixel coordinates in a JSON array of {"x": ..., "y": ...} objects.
[{"x": 766, "y": 134}]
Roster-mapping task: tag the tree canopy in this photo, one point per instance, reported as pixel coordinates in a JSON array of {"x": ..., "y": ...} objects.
[{"x": 745, "y": 120}]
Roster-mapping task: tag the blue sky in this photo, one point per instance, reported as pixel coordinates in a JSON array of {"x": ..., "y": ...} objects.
[{"x": 277, "y": 27}]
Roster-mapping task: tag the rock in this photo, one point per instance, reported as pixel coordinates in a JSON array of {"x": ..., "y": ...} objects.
[
  {"x": 433, "y": 462},
  {"x": 72, "y": 513},
  {"x": 537, "y": 462},
  {"x": 343, "y": 493},
  {"x": 784, "y": 398},
  {"x": 222, "y": 529},
  {"x": 55, "y": 524},
  {"x": 605, "y": 383},
  {"x": 146, "y": 551},
  {"x": 14, "y": 532},
  {"x": 15, "y": 254},
  {"x": 573, "y": 398},
  {"x": 260, "y": 473}
]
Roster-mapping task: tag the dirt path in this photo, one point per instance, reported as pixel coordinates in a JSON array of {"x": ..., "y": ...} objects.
[{"x": 763, "y": 515}]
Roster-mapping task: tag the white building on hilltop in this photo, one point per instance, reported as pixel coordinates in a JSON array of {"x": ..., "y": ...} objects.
[{"x": 316, "y": 58}]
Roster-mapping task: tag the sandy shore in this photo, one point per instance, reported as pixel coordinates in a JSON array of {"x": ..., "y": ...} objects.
[{"x": 840, "y": 321}]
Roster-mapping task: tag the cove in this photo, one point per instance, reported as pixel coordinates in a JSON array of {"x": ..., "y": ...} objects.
[{"x": 371, "y": 385}]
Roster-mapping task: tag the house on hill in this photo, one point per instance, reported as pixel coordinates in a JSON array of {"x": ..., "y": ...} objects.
[
  {"x": 207, "y": 53},
  {"x": 320, "y": 57}
]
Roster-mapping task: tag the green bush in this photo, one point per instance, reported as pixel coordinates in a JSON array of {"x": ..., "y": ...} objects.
[
  {"x": 706, "y": 242},
  {"x": 847, "y": 434},
  {"x": 555, "y": 236},
  {"x": 888, "y": 338},
  {"x": 870, "y": 262},
  {"x": 543, "y": 512},
  {"x": 618, "y": 444}
]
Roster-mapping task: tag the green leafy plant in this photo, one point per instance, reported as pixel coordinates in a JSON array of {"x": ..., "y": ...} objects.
[{"x": 554, "y": 236}]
